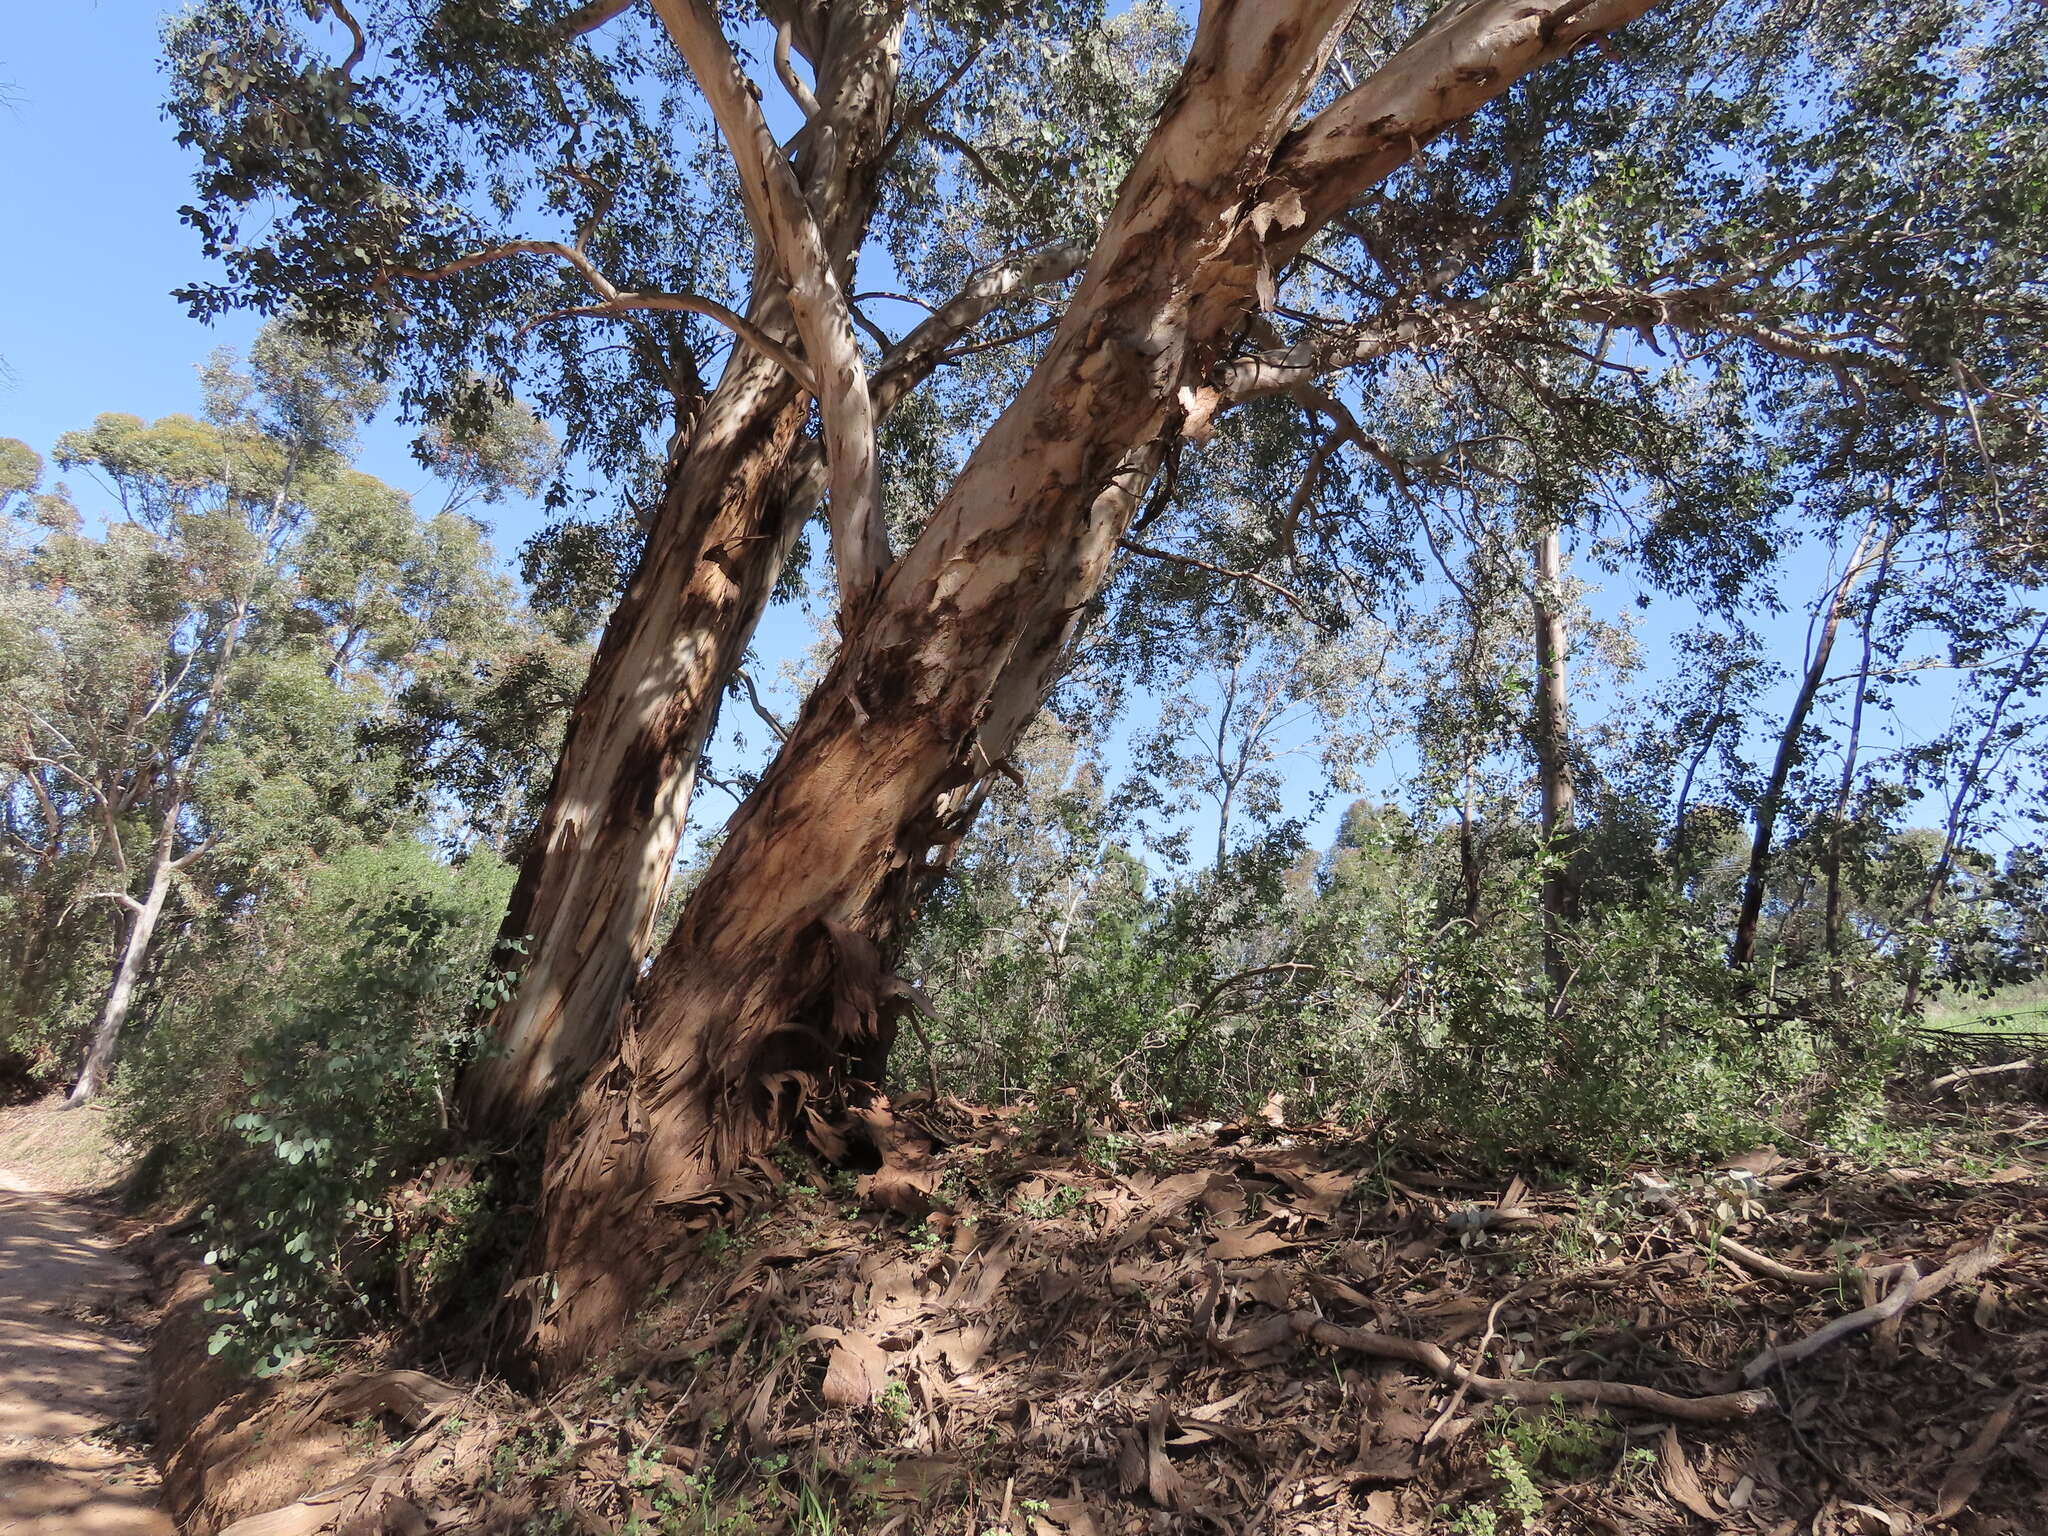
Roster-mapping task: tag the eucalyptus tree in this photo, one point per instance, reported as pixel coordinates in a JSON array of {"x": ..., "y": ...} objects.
[
  {"x": 419, "y": 176},
  {"x": 1773, "y": 192},
  {"x": 186, "y": 687}
]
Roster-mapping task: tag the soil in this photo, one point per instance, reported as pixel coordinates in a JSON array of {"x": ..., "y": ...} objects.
[
  {"x": 1246, "y": 1328},
  {"x": 74, "y": 1453}
]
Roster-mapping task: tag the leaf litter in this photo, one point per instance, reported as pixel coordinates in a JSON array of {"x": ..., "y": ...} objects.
[{"x": 1272, "y": 1328}]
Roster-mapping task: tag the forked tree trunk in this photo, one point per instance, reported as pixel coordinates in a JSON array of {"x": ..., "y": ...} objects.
[
  {"x": 582, "y": 914},
  {"x": 1556, "y": 790},
  {"x": 772, "y": 995},
  {"x": 1743, "y": 950}
]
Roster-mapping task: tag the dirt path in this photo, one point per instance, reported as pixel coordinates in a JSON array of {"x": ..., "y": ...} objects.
[{"x": 71, "y": 1388}]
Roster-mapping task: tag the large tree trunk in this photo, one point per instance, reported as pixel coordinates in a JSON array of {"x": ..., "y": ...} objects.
[
  {"x": 1553, "y": 759},
  {"x": 1743, "y": 950},
  {"x": 582, "y": 914},
  {"x": 143, "y": 917},
  {"x": 772, "y": 995}
]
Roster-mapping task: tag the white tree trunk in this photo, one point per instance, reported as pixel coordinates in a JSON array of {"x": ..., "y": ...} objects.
[{"x": 113, "y": 1015}]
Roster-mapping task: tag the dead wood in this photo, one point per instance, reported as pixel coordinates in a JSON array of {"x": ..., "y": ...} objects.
[
  {"x": 1815, "y": 1279},
  {"x": 1714, "y": 1409},
  {"x": 1900, "y": 1297},
  {"x": 1965, "y": 1074}
]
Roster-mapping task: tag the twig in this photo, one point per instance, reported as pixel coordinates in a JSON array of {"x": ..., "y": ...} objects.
[{"x": 1464, "y": 1387}]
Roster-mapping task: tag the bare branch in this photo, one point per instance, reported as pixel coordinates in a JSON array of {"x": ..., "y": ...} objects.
[
  {"x": 121, "y": 898},
  {"x": 792, "y": 82},
  {"x": 614, "y": 302},
  {"x": 192, "y": 855},
  {"x": 1300, "y": 606},
  {"x": 789, "y": 236},
  {"x": 1458, "y": 60},
  {"x": 919, "y": 114},
  {"x": 591, "y": 17},
  {"x": 355, "y": 32},
  {"x": 746, "y": 680},
  {"x": 911, "y": 361}
]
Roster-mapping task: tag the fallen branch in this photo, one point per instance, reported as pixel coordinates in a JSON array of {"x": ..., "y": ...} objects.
[
  {"x": 1813, "y": 1279},
  {"x": 1987, "y": 1255},
  {"x": 1272, "y": 1331},
  {"x": 1902, "y": 1296},
  {"x": 1965, "y": 1074}
]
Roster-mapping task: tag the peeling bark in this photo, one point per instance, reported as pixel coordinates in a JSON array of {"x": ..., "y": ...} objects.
[
  {"x": 582, "y": 915},
  {"x": 773, "y": 996}
]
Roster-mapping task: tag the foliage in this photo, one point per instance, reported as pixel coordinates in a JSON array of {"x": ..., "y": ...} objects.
[
  {"x": 255, "y": 658},
  {"x": 315, "y": 1078}
]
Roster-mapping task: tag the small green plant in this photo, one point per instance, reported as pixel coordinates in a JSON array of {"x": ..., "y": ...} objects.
[{"x": 895, "y": 1402}]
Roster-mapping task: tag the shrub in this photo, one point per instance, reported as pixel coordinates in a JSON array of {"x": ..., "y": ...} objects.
[{"x": 332, "y": 1084}]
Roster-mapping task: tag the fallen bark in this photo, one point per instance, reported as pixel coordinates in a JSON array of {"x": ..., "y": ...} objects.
[{"x": 1718, "y": 1408}]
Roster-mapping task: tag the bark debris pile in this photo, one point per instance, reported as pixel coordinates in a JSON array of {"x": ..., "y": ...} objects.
[{"x": 1257, "y": 1327}]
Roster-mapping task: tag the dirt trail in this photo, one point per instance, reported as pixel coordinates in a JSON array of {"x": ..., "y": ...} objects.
[{"x": 68, "y": 1381}]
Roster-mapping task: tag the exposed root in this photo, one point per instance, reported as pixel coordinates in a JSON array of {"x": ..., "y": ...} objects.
[{"x": 1780, "y": 1355}]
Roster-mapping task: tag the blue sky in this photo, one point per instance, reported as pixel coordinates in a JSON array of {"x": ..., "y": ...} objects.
[{"x": 93, "y": 181}]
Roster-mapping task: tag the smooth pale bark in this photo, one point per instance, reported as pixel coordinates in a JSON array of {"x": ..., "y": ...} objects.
[
  {"x": 143, "y": 917},
  {"x": 1743, "y": 950},
  {"x": 787, "y": 234},
  {"x": 1556, "y": 790},
  {"x": 772, "y": 996}
]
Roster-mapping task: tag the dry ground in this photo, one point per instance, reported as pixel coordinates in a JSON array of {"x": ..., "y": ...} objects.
[
  {"x": 74, "y": 1458},
  {"x": 1263, "y": 1328}
]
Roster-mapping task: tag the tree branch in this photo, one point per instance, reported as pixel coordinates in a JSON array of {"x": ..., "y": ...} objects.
[
  {"x": 912, "y": 359},
  {"x": 792, "y": 82},
  {"x": 1171, "y": 558},
  {"x": 615, "y": 302},
  {"x": 789, "y": 236}
]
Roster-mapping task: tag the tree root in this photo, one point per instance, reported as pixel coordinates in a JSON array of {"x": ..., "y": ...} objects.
[
  {"x": 1272, "y": 1331},
  {"x": 1909, "y": 1289},
  {"x": 1899, "y": 1298}
]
